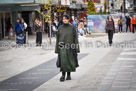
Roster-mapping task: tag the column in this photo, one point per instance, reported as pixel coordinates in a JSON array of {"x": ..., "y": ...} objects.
[
  {"x": 14, "y": 19},
  {"x": 0, "y": 28}
]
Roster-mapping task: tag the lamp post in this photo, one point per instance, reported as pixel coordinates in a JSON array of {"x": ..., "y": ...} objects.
[
  {"x": 108, "y": 8},
  {"x": 124, "y": 6}
]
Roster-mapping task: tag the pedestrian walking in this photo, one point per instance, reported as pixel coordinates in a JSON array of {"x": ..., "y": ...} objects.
[
  {"x": 38, "y": 32},
  {"x": 110, "y": 27},
  {"x": 128, "y": 23},
  {"x": 67, "y": 48},
  {"x": 120, "y": 24},
  {"x": 134, "y": 23}
]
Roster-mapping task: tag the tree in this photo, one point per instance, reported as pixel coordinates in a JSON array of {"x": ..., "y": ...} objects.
[
  {"x": 105, "y": 6},
  {"x": 101, "y": 11},
  {"x": 91, "y": 7}
]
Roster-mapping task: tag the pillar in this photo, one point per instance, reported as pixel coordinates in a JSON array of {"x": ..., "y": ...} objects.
[{"x": 14, "y": 19}]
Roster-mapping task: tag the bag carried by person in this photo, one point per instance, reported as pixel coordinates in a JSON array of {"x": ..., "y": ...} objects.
[
  {"x": 58, "y": 61},
  {"x": 54, "y": 28}
]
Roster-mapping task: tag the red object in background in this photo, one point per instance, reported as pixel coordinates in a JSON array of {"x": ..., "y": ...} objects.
[
  {"x": 84, "y": 14},
  {"x": 131, "y": 28},
  {"x": 71, "y": 21},
  {"x": 133, "y": 22}
]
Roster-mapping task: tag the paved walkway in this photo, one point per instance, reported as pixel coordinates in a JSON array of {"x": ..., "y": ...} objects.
[
  {"x": 102, "y": 68},
  {"x": 122, "y": 76}
]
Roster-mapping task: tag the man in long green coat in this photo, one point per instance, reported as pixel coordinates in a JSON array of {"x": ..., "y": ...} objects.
[{"x": 67, "y": 47}]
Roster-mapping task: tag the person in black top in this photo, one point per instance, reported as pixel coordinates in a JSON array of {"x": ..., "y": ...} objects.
[{"x": 128, "y": 23}]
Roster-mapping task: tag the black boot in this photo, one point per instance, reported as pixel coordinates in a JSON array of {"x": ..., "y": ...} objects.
[
  {"x": 62, "y": 79},
  {"x": 68, "y": 76}
]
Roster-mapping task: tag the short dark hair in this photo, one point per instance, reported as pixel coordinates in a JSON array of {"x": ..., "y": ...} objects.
[
  {"x": 38, "y": 19},
  {"x": 66, "y": 16},
  {"x": 21, "y": 20},
  {"x": 75, "y": 17},
  {"x": 109, "y": 16}
]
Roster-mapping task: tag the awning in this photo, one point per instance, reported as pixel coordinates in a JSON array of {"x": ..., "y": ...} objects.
[
  {"x": 19, "y": 8},
  {"x": 41, "y": 1},
  {"x": 23, "y": 1},
  {"x": 16, "y": 1}
]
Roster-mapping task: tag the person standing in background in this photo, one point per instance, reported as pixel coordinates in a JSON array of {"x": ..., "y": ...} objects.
[
  {"x": 18, "y": 27},
  {"x": 110, "y": 27},
  {"x": 128, "y": 23},
  {"x": 38, "y": 32},
  {"x": 53, "y": 28},
  {"x": 85, "y": 25},
  {"x": 120, "y": 24},
  {"x": 11, "y": 32},
  {"x": 81, "y": 29},
  {"x": 75, "y": 24},
  {"x": 60, "y": 22},
  {"x": 134, "y": 23},
  {"x": 19, "y": 31},
  {"x": 56, "y": 23}
]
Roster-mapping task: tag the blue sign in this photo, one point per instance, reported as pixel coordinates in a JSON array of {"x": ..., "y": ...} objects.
[{"x": 96, "y": 23}]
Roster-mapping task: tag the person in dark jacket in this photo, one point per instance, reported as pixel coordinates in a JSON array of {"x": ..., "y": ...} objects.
[
  {"x": 110, "y": 27},
  {"x": 19, "y": 26},
  {"x": 38, "y": 32},
  {"x": 67, "y": 55},
  {"x": 128, "y": 23},
  {"x": 19, "y": 31}
]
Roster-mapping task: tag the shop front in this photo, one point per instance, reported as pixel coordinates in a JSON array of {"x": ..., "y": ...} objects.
[{"x": 9, "y": 14}]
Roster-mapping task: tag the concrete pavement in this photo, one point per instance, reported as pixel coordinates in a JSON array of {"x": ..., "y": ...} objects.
[{"x": 94, "y": 74}]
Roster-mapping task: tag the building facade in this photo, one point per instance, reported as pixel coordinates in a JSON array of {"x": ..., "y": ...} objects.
[{"x": 11, "y": 10}]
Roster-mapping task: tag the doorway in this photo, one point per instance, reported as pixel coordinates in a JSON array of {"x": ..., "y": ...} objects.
[{"x": 5, "y": 22}]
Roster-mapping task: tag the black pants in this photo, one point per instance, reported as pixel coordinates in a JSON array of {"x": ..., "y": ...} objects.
[
  {"x": 134, "y": 27},
  {"x": 120, "y": 28},
  {"x": 39, "y": 38},
  {"x": 128, "y": 26},
  {"x": 68, "y": 73},
  {"x": 110, "y": 36}
]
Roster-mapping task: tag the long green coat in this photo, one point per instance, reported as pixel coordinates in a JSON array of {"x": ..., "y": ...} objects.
[{"x": 67, "y": 35}]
